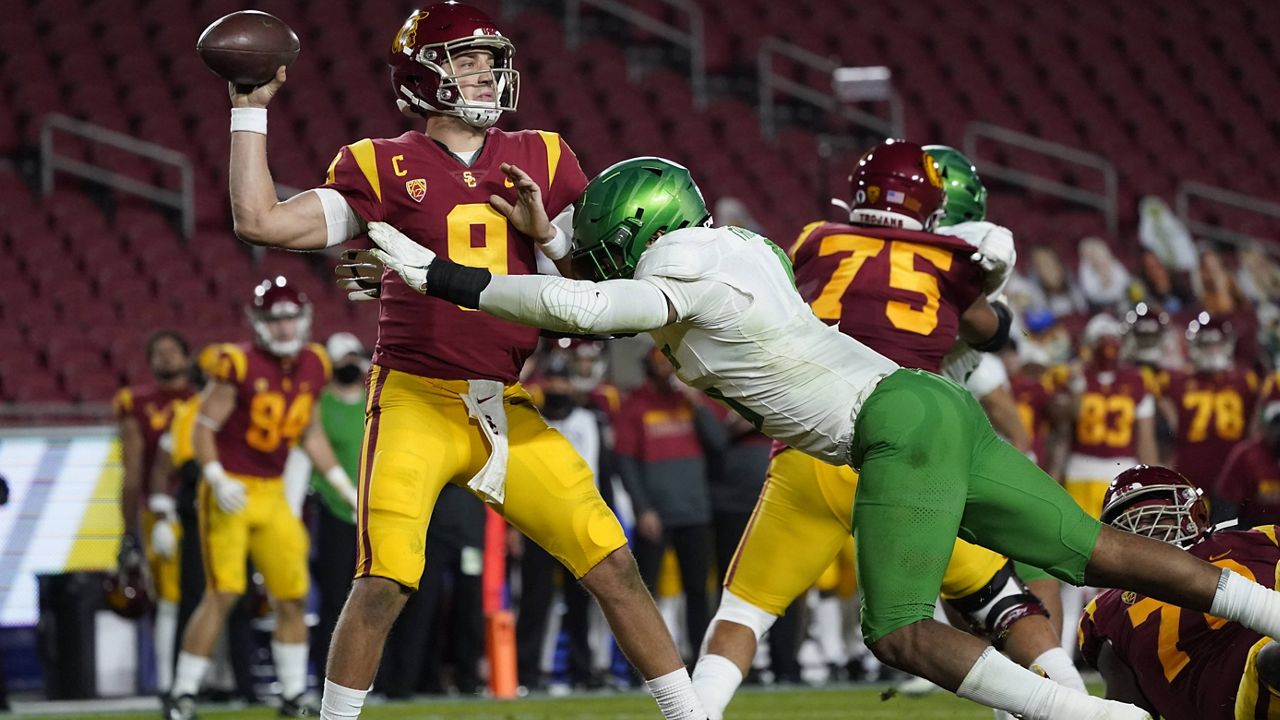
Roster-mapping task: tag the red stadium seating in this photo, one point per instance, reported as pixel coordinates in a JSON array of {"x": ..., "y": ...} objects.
[{"x": 1168, "y": 91}]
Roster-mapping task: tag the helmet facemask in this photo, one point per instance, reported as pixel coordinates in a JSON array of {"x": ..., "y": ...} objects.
[
  {"x": 261, "y": 322},
  {"x": 1210, "y": 350},
  {"x": 441, "y": 59},
  {"x": 1168, "y": 513}
]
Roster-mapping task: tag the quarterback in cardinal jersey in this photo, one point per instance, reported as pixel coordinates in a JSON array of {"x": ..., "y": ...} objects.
[{"x": 445, "y": 402}]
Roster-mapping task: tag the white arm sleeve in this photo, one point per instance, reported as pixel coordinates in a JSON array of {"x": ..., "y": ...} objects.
[
  {"x": 341, "y": 221},
  {"x": 576, "y": 306}
]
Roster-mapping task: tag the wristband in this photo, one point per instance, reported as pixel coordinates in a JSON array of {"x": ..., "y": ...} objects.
[
  {"x": 459, "y": 284},
  {"x": 1001, "y": 336},
  {"x": 557, "y": 247},
  {"x": 162, "y": 505},
  {"x": 249, "y": 119}
]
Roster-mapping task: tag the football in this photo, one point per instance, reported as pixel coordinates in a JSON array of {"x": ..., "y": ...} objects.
[{"x": 246, "y": 47}]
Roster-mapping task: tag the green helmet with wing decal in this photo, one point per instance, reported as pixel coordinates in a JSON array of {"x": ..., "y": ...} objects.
[
  {"x": 623, "y": 208},
  {"x": 966, "y": 195}
]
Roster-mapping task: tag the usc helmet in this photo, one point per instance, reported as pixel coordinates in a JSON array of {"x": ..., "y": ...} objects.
[
  {"x": 124, "y": 591},
  {"x": 897, "y": 184},
  {"x": 276, "y": 299},
  {"x": 1144, "y": 334},
  {"x": 1211, "y": 344},
  {"x": 423, "y": 71},
  {"x": 1102, "y": 336},
  {"x": 1159, "y": 503}
]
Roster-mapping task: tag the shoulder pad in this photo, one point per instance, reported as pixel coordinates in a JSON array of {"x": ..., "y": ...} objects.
[
  {"x": 123, "y": 401},
  {"x": 232, "y": 364},
  {"x": 680, "y": 255},
  {"x": 322, "y": 359}
]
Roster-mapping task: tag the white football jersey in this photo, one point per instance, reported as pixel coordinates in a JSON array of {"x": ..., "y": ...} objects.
[{"x": 746, "y": 337}]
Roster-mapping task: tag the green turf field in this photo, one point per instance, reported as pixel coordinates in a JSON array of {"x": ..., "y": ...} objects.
[{"x": 845, "y": 703}]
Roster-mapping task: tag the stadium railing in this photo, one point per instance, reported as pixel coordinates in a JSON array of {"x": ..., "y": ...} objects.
[
  {"x": 1189, "y": 190},
  {"x": 772, "y": 83},
  {"x": 182, "y": 199},
  {"x": 690, "y": 40},
  {"x": 1105, "y": 202}
]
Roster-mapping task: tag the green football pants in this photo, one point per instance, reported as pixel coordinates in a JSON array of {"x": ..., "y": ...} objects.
[{"x": 933, "y": 469}]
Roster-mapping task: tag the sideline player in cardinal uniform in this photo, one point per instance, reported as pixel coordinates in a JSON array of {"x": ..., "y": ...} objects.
[
  {"x": 256, "y": 407},
  {"x": 1212, "y": 406},
  {"x": 1182, "y": 664},
  {"x": 144, "y": 413},
  {"x": 1114, "y": 417},
  {"x": 886, "y": 280},
  {"x": 445, "y": 401}
]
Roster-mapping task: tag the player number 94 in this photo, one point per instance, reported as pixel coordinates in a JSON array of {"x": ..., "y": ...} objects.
[{"x": 270, "y": 422}]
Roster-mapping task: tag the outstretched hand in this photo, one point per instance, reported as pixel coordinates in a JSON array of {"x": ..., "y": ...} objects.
[
  {"x": 407, "y": 258},
  {"x": 528, "y": 215},
  {"x": 360, "y": 274},
  {"x": 259, "y": 96}
]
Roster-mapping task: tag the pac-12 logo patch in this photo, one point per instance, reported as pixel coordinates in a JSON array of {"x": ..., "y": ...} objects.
[{"x": 417, "y": 189}]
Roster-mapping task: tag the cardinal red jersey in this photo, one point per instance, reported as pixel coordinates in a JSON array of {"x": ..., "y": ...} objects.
[
  {"x": 1187, "y": 663},
  {"x": 415, "y": 184},
  {"x": 1111, "y": 403},
  {"x": 1033, "y": 396},
  {"x": 152, "y": 407},
  {"x": 274, "y": 398},
  {"x": 1250, "y": 478},
  {"x": 901, "y": 292},
  {"x": 1213, "y": 415}
]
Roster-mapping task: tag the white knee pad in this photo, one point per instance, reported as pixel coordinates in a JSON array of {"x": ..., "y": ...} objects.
[{"x": 736, "y": 610}]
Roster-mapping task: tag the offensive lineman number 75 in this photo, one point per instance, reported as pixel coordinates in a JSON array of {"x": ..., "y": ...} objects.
[{"x": 902, "y": 276}]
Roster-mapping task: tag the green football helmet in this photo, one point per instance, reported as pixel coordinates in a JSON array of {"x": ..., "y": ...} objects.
[
  {"x": 966, "y": 195},
  {"x": 623, "y": 208}
]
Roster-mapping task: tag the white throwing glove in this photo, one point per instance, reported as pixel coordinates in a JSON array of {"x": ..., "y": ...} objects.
[
  {"x": 341, "y": 481},
  {"x": 164, "y": 541},
  {"x": 407, "y": 258},
  {"x": 230, "y": 494}
]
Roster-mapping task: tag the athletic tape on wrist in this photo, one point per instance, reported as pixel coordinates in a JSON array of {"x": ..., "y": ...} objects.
[{"x": 249, "y": 119}]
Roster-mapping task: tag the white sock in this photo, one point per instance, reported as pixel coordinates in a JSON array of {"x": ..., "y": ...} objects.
[
  {"x": 291, "y": 667},
  {"x": 189, "y": 674},
  {"x": 166, "y": 631},
  {"x": 830, "y": 634},
  {"x": 998, "y": 682},
  {"x": 1056, "y": 663},
  {"x": 675, "y": 696},
  {"x": 716, "y": 678},
  {"x": 1247, "y": 603},
  {"x": 340, "y": 703}
]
